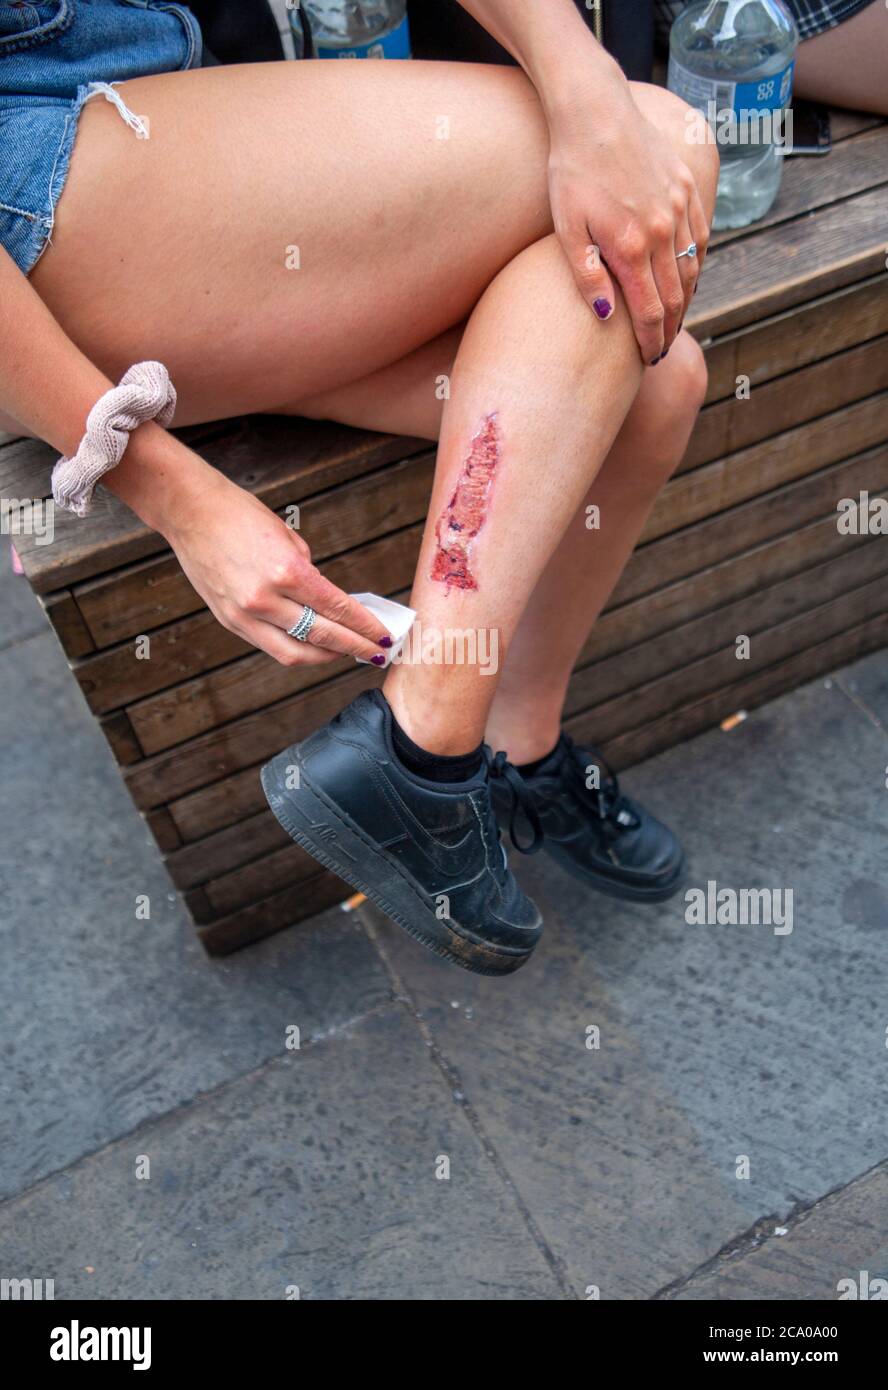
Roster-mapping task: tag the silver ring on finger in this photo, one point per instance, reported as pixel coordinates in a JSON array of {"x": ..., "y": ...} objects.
[
  {"x": 691, "y": 251},
  {"x": 301, "y": 630}
]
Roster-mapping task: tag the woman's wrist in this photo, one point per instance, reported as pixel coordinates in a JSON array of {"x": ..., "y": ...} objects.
[
  {"x": 591, "y": 84},
  {"x": 161, "y": 479}
]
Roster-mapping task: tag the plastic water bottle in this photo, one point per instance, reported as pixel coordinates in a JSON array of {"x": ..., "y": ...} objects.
[
  {"x": 354, "y": 28},
  {"x": 733, "y": 60}
]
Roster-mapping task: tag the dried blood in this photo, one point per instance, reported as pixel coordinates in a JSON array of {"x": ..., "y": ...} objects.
[{"x": 466, "y": 512}]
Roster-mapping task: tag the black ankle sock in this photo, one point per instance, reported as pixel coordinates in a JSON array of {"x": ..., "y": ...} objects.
[
  {"x": 530, "y": 769},
  {"x": 431, "y": 765}
]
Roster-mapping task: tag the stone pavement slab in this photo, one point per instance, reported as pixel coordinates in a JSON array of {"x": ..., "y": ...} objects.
[
  {"x": 867, "y": 682},
  {"x": 838, "y": 1249},
  {"x": 718, "y": 1043},
  {"x": 20, "y": 612},
  {"x": 317, "y": 1171},
  {"x": 108, "y": 1020}
]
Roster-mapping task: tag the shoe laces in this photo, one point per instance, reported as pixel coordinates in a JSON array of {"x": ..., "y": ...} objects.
[
  {"x": 610, "y": 803},
  {"x": 501, "y": 770}
]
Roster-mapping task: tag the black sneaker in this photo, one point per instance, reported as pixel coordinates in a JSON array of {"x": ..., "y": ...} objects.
[
  {"x": 427, "y": 853},
  {"x": 598, "y": 834}
]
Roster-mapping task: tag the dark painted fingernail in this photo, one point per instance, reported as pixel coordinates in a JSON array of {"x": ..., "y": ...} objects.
[
  {"x": 603, "y": 308},
  {"x": 655, "y": 360},
  {"x": 378, "y": 660},
  {"x": 696, "y": 287},
  {"x": 385, "y": 642},
  {"x": 666, "y": 353}
]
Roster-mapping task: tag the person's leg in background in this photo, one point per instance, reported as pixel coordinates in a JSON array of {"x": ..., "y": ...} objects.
[{"x": 846, "y": 65}]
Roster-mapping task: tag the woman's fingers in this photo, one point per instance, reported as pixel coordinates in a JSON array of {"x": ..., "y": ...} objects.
[
  {"x": 332, "y": 637},
  {"x": 340, "y": 609},
  {"x": 643, "y": 301},
  {"x": 670, "y": 289},
  {"x": 591, "y": 274},
  {"x": 688, "y": 266},
  {"x": 283, "y": 649}
]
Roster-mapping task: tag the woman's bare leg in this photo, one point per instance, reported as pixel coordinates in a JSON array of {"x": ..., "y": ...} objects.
[
  {"x": 526, "y": 713},
  {"x": 539, "y": 392},
  {"x": 846, "y": 66}
]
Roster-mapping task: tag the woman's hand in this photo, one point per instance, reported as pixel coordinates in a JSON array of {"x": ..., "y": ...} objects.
[
  {"x": 256, "y": 576},
  {"x": 623, "y": 202},
  {"x": 624, "y": 205}
]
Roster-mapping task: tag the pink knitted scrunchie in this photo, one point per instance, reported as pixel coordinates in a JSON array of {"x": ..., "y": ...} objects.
[{"x": 145, "y": 393}]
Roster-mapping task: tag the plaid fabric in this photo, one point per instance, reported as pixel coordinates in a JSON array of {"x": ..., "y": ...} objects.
[{"x": 811, "y": 16}]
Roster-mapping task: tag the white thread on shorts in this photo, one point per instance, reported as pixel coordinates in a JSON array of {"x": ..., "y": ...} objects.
[{"x": 106, "y": 89}]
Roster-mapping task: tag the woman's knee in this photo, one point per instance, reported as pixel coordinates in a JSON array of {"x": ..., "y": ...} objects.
[
  {"x": 666, "y": 408},
  {"x": 691, "y": 376}
]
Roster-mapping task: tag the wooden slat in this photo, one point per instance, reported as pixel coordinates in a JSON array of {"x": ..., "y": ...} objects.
[
  {"x": 798, "y": 337},
  {"x": 258, "y": 880},
  {"x": 740, "y": 577},
  {"x": 716, "y": 670},
  {"x": 262, "y": 919},
  {"x": 687, "y": 720},
  {"x": 788, "y": 402},
  {"x": 741, "y": 476},
  {"x": 227, "y": 849},
  {"x": 163, "y": 828},
  {"x": 786, "y": 265},
  {"x": 219, "y": 804},
  {"x": 282, "y": 460},
  {"x": 119, "y": 733},
  {"x": 65, "y": 617},
  {"x": 616, "y": 678},
  {"x": 845, "y": 124},
  {"x": 731, "y": 532},
  {"x": 161, "y": 779}
]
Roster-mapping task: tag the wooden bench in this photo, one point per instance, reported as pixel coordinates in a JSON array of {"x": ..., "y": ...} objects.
[{"x": 744, "y": 540}]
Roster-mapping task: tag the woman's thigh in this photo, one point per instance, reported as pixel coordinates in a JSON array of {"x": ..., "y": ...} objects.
[
  {"x": 399, "y": 191},
  {"x": 847, "y": 66}
]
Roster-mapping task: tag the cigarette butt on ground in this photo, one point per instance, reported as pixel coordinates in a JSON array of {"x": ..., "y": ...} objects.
[
  {"x": 355, "y": 901},
  {"x": 733, "y": 720}
]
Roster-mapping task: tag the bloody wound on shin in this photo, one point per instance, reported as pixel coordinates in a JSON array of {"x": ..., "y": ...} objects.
[{"x": 466, "y": 512}]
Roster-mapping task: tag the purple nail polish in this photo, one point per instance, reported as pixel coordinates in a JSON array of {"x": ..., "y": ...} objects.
[
  {"x": 385, "y": 642},
  {"x": 666, "y": 353},
  {"x": 655, "y": 360},
  {"x": 603, "y": 308},
  {"x": 378, "y": 660},
  {"x": 696, "y": 287}
]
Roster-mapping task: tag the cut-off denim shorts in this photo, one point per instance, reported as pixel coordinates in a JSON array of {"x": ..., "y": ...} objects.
[{"x": 51, "y": 55}]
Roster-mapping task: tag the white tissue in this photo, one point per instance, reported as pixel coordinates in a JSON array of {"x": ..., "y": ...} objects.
[{"x": 395, "y": 616}]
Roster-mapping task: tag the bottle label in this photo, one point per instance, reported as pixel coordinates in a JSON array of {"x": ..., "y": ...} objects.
[
  {"x": 707, "y": 94},
  {"x": 394, "y": 44}
]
